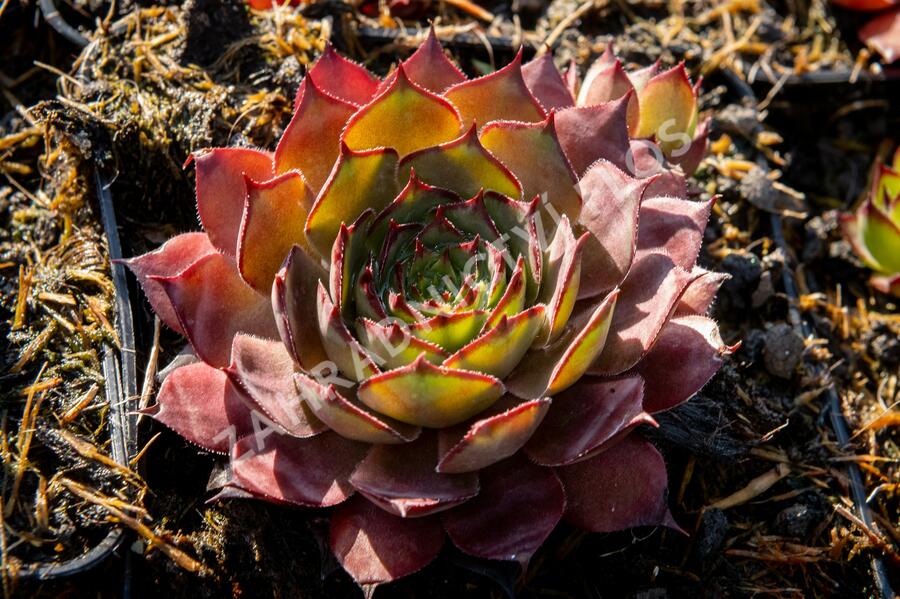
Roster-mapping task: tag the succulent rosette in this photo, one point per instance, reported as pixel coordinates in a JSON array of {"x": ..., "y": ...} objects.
[
  {"x": 440, "y": 306},
  {"x": 873, "y": 230}
]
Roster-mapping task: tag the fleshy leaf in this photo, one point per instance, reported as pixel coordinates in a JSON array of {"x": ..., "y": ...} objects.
[
  {"x": 199, "y": 403},
  {"x": 427, "y": 395},
  {"x": 348, "y": 417},
  {"x": 606, "y": 81},
  {"x": 533, "y": 152},
  {"x": 648, "y": 298},
  {"x": 293, "y": 296},
  {"x": 274, "y": 215},
  {"x": 375, "y": 547},
  {"x": 264, "y": 370},
  {"x": 500, "y": 96},
  {"x": 882, "y": 238},
  {"x": 882, "y": 34},
  {"x": 585, "y": 417},
  {"x": 686, "y": 355},
  {"x": 552, "y": 370},
  {"x": 343, "y": 78},
  {"x": 517, "y": 508},
  {"x": 689, "y": 159},
  {"x": 668, "y": 106},
  {"x": 889, "y": 285},
  {"x": 276, "y": 467},
  {"x": 360, "y": 180},
  {"x": 546, "y": 84},
  {"x": 498, "y": 433},
  {"x": 464, "y": 166},
  {"x": 430, "y": 68},
  {"x": 610, "y": 213},
  {"x": 401, "y": 479},
  {"x": 623, "y": 487},
  {"x": 561, "y": 278},
  {"x": 213, "y": 304},
  {"x": 168, "y": 260},
  {"x": 348, "y": 255},
  {"x": 310, "y": 143},
  {"x": 590, "y": 133},
  {"x": 700, "y": 293},
  {"x": 221, "y": 191},
  {"x": 404, "y": 117},
  {"x": 395, "y": 345},
  {"x": 450, "y": 331},
  {"x": 674, "y": 226},
  {"x": 499, "y": 350},
  {"x": 342, "y": 348}
]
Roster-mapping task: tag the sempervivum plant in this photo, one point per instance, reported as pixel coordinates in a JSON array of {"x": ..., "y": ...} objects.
[
  {"x": 441, "y": 307},
  {"x": 874, "y": 228}
]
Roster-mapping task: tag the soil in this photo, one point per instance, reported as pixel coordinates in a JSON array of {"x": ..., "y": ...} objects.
[{"x": 173, "y": 78}]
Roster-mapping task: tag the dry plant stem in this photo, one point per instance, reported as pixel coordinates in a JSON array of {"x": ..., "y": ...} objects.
[
  {"x": 754, "y": 488},
  {"x": 175, "y": 554},
  {"x": 576, "y": 14}
]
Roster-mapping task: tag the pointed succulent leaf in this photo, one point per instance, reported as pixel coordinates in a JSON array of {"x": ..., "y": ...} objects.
[
  {"x": 623, "y": 487},
  {"x": 561, "y": 278},
  {"x": 360, "y": 180},
  {"x": 585, "y": 417},
  {"x": 213, "y": 304},
  {"x": 606, "y": 81},
  {"x": 402, "y": 480},
  {"x": 413, "y": 204},
  {"x": 499, "y": 350},
  {"x": 500, "y": 96},
  {"x": 513, "y": 299},
  {"x": 342, "y": 348},
  {"x": 533, "y": 152},
  {"x": 293, "y": 293},
  {"x": 168, "y": 260},
  {"x": 450, "y": 331},
  {"x": 612, "y": 200},
  {"x": 668, "y": 106},
  {"x": 343, "y": 78},
  {"x": 263, "y": 370},
  {"x": 517, "y": 508},
  {"x": 648, "y": 299},
  {"x": 464, "y": 166},
  {"x": 700, "y": 292},
  {"x": 497, "y": 434},
  {"x": 881, "y": 237},
  {"x": 427, "y": 395},
  {"x": 589, "y": 133},
  {"x": 199, "y": 403},
  {"x": 674, "y": 226},
  {"x": 688, "y": 352},
  {"x": 553, "y": 369},
  {"x": 274, "y": 214},
  {"x": 346, "y": 416},
  {"x": 546, "y": 83},
  {"x": 375, "y": 547},
  {"x": 310, "y": 142},
  {"x": 404, "y": 117},
  {"x": 430, "y": 68},
  {"x": 348, "y": 254},
  {"x": 276, "y": 467},
  {"x": 221, "y": 191},
  {"x": 395, "y": 345}
]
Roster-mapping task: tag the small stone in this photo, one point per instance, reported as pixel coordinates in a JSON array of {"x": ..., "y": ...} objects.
[
  {"x": 783, "y": 350},
  {"x": 712, "y": 534}
]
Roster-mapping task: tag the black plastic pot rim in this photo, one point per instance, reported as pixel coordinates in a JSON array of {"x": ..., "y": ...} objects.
[{"x": 120, "y": 390}]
